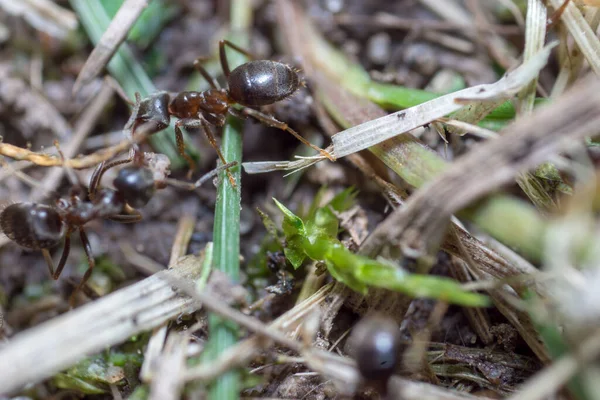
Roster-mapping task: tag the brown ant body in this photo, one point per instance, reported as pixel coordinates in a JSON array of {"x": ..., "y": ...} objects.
[
  {"x": 41, "y": 227},
  {"x": 251, "y": 85}
]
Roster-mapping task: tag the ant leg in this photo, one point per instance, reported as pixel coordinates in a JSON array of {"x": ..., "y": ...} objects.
[
  {"x": 63, "y": 257},
  {"x": 223, "y": 55},
  {"x": 271, "y": 121},
  {"x": 202, "y": 123},
  {"x": 129, "y": 128},
  {"x": 136, "y": 216},
  {"x": 217, "y": 120},
  {"x": 204, "y": 73},
  {"x": 181, "y": 143},
  {"x": 99, "y": 172},
  {"x": 213, "y": 143},
  {"x": 48, "y": 258},
  {"x": 88, "y": 252}
]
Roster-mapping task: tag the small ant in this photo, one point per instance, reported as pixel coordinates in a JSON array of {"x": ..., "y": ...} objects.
[
  {"x": 251, "y": 85},
  {"x": 41, "y": 227}
]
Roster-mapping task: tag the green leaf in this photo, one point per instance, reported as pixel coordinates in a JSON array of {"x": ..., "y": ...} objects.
[
  {"x": 324, "y": 223},
  {"x": 292, "y": 224},
  {"x": 64, "y": 381},
  {"x": 294, "y": 251},
  {"x": 268, "y": 224},
  {"x": 317, "y": 200},
  {"x": 344, "y": 200},
  {"x": 90, "y": 376},
  {"x": 348, "y": 279}
]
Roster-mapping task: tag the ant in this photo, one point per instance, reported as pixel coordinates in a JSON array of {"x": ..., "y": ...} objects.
[
  {"x": 251, "y": 85},
  {"x": 42, "y": 227}
]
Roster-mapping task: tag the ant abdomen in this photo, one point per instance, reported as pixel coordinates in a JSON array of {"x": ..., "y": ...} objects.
[
  {"x": 31, "y": 225},
  {"x": 262, "y": 82},
  {"x": 136, "y": 185}
]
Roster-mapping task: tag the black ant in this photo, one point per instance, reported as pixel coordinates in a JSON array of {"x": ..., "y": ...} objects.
[
  {"x": 251, "y": 85},
  {"x": 41, "y": 227}
]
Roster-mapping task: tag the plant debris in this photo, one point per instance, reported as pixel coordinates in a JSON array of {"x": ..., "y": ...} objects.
[{"x": 447, "y": 249}]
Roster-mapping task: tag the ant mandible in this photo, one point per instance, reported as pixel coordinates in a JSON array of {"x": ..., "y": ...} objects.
[
  {"x": 251, "y": 85},
  {"x": 42, "y": 227}
]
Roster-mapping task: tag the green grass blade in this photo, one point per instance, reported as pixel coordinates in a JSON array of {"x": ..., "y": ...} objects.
[
  {"x": 226, "y": 230},
  {"x": 128, "y": 72}
]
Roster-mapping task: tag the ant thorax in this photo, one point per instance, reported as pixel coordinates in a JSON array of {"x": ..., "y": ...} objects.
[
  {"x": 190, "y": 104},
  {"x": 76, "y": 212}
]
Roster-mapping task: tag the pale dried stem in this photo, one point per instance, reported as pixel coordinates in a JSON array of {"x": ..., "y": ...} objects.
[{"x": 168, "y": 382}]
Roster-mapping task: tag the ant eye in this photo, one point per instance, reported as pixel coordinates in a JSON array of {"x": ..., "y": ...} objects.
[
  {"x": 375, "y": 341},
  {"x": 62, "y": 204}
]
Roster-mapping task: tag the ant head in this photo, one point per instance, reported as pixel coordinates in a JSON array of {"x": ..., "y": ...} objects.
[
  {"x": 31, "y": 225},
  {"x": 136, "y": 185},
  {"x": 154, "y": 110},
  {"x": 109, "y": 201}
]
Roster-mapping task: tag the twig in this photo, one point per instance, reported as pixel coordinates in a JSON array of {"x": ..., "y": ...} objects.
[{"x": 87, "y": 161}]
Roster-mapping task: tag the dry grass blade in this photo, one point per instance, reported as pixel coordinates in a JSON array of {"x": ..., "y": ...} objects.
[
  {"x": 419, "y": 225},
  {"x": 153, "y": 353},
  {"x": 535, "y": 34},
  {"x": 108, "y": 44},
  {"x": 243, "y": 351},
  {"x": 373, "y": 132},
  {"x": 45, "y": 15},
  {"x": 572, "y": 60},
  {"x": 405, "y": 389},
  {"x": 478, "y": 317},
  {"x": 48, "y": 348},
  {"x": 486, "y": 98},
  {"x": 584, "y": 36},
  {"x": 168, "y": 381},
  {"x": 549, "y": 380}
]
